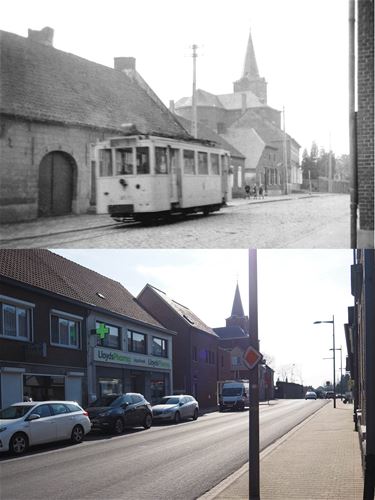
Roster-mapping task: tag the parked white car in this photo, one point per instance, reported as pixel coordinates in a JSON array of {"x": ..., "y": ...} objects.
[
  {"x": 27, "y": 424},
  {"x": 175, "y": 408}
]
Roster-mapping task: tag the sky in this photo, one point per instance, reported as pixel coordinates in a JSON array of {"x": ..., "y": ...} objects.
[
  {"x": 301, "y": 48},
  {"x": 295, "y": 288}
]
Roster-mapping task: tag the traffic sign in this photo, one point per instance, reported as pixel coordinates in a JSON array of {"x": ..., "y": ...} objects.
[{"x": 251, "y": 357}]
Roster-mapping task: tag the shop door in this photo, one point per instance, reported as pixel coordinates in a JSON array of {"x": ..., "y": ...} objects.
[
  {"x": 137, "y": 380},
  {"x": 55, "y": 184}
]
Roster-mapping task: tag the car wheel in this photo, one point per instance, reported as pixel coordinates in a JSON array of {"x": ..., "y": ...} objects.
[
  {"x": 147, "y": 422},
  {"x": 195, "y": 415},
  {"x": 18, "y": 443},
  {"x": 77, "y": 434},
  {"x": 177, "y": 417},
  {"x": 118, "y": 427}
]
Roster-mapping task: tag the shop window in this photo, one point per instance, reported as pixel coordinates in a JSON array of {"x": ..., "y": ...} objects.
[
  {"x": 143, "y": 160},
  {"x": 215, "y": 167},
  {"x": 111, "y": 337},
  {"x": 110, "y": 386},
  {"x": 157, "y": 386},
  {"x": 189, "y": 162},
  {"x": 65, "y": 331},
  {"x": 202, "y": 163},
  {"x": 159, "y": 347},
  {"x": 137, "y": 342},
  {"x": 124, "y": 161},
  {"x": 44, "y": 387},
  {"x": 105, "y": 163},
  {"x": 16, "y": 320},
  {"x": 161, "y": 161}
]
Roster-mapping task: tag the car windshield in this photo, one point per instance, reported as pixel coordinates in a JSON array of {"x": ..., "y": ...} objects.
[
  {"x": 15, "y": 411},
  {"x": 232, "y": 391},
  {"x": 169, "y": 401},
  {"x": 110, "y": 400}
]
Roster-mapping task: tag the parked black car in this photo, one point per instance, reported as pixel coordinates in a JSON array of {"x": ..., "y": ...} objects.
[{"x": 114, "y": 412}]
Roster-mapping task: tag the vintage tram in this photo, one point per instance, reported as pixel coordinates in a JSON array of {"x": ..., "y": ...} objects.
[{"x": 144, "y": 177}]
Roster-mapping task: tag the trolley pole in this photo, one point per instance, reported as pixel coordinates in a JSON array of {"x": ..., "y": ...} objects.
[
  {"x": 194, "y": 131},
  {"x": 254, "y": 474}
]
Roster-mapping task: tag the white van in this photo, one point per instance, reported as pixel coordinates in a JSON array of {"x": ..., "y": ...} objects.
[{"x": 234, "y": 395}]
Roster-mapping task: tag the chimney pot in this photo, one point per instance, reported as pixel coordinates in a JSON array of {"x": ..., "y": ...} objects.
[
  {"x": 44, "y": 36},
  {"x": 124, "y": 63}
]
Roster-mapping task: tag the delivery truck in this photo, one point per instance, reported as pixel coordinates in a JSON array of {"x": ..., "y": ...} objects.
[{"x": 233, "y": 395}]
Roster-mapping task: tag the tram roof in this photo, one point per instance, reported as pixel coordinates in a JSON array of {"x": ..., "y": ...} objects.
[{"x": 39, "y": 82}]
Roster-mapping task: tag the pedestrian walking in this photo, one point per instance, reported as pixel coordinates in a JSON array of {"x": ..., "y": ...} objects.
[
  {"x": 261, "y": 195},
  {"x": 247, "y": 191},
  {"x": 255, "y": 191}
]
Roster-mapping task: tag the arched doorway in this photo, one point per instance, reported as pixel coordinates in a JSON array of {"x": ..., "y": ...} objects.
[{"x": 56, "y": 182}]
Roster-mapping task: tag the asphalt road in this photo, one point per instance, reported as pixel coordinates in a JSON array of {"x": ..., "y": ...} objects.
[
  {"x": 319, "y": 221},
  {"x": 164, "y": 462}
]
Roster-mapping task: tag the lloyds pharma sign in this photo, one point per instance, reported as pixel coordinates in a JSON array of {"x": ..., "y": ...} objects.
[{"x": 105, "y": 355}]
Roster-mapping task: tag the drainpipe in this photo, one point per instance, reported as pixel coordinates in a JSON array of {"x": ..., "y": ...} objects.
[{"x": 352, "y": 130}]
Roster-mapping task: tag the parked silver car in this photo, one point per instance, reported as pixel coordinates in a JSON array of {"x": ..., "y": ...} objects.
[
  {"x": 30, "y": 423},
  {"x": 175, "y": 408}
]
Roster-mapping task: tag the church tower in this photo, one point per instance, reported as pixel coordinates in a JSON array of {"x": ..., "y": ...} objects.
[
  {"x": 238, "y": 318},
  {"x": 250, "y": 79}
]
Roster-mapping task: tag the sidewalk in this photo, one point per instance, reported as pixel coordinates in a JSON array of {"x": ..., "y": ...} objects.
[{"x": 319, "y": 459}]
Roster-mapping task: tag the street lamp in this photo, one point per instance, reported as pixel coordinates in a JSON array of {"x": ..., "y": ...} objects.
[{"x": 333, "y": 355}]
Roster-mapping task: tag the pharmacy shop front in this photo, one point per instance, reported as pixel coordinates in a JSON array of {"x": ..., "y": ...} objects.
[{"x": 118, "y": 372}]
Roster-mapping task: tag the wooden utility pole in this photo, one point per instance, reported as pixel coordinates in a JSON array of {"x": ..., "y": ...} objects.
[{"x": 285, "y": 156}]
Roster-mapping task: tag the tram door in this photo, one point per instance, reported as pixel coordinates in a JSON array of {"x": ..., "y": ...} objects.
[{"x": 175, "y": 169}]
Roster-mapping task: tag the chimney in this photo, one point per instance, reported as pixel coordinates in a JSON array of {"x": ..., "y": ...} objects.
[
  {"x": 44, "y": 36},
  {"x": 243, "y": 103},
  {"x": 171, "y": 106},
  {"x": 124, "y": 63}
]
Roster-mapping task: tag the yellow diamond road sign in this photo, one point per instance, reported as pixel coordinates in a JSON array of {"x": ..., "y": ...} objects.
[{"x": 251, "y": 357}]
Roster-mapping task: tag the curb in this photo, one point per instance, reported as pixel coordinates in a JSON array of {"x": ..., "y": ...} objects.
[{"x": 226, "y": 483}]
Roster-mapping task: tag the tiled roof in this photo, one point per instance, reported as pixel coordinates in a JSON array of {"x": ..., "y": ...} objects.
[
  {"x": 230, "y": 332},
  {"x": 46, "y": 270},
  {"x": 41, "y": 82},
  {"x": 206, "y": 133},
  {"x": 234, "y": 101},
  {"x": 203, "y": 98},
  {"x": 184, "y": 312}
]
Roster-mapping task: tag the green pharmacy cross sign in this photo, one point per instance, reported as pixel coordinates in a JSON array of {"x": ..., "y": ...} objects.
[{"x": 102, "y": 331}]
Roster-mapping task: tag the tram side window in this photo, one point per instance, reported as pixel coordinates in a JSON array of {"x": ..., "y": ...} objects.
[
  {"x": 189, "y": 162},
  {"x": 215, "y": 167},
  {"x": 202, "y": 163},
  {"x": 124, "y": 161},
  {"x": 143, "y": 160},
  {"x": 105, "y": 162},
  {"x": 161, "y": 161}
]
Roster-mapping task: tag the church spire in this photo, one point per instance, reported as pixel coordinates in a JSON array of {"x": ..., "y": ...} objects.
[
  {"x": 250, "y": 69},
  {"x": 237, "y": 309}
]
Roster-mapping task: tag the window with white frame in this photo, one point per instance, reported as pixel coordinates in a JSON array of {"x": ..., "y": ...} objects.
[
  {"x": 159, "y": 347},
  {"x": 65, "y": 330},
  {"x": 111, "y": 335},
  {"x": 16, "y": 319}
]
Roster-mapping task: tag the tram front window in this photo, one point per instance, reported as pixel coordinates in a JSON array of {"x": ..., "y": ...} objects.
[
  {"x": 202, "y": 163},
  {"x": 215, "y": 168},
  {"x": 143, "y": 160},
  {"x": 161, "y": 161},
  {"x": 124, "y": 161}
]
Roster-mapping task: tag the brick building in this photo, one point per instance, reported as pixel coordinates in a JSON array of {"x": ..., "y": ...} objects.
[
  {"x": 246, "y": 121},
  {"x": 53, "y": 106},
  {"x": 67, "y": 332},
  {"x": 360, "y": 342},
  {"x": 234, "y": 338},
  {"x": 365, "y": 122},
  {"x": 198, "y": 360}
]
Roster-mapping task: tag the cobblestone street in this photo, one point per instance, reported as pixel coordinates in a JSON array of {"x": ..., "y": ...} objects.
[{"x": 299, "y": 221}]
